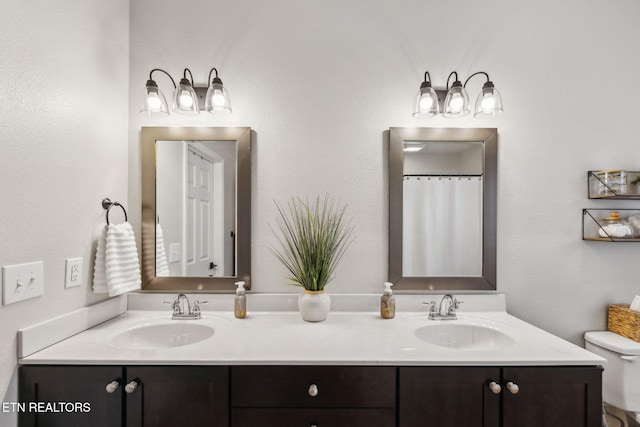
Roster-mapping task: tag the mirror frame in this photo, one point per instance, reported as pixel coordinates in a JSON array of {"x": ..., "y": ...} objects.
[
  {"x": 242, "y": 137},
  {"x": 397, "y": 138}
]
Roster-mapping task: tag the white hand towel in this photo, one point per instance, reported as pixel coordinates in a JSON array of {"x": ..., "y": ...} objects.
[
  {"x": 121, "y": 260},
  {"x": 99, "y": 270},
  {"x": 635, "y": 305},
  {"x": 148, "y": 244},
  {"x": 162, "y": 268}
]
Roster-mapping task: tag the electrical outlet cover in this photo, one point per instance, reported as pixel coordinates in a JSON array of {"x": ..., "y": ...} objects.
[
  {"x": 73, "y": 272},
  {"x": 174, "y": 252}
]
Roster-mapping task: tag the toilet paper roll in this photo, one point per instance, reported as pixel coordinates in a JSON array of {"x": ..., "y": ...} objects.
[{"x": 635, "y": 305}]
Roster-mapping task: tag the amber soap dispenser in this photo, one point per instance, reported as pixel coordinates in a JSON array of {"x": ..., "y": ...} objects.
[
  {"x": 387, "y": 302},
  {"x": 240, "y": 304}
]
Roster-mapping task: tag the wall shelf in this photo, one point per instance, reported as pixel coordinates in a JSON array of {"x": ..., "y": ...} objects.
[
  {"x": 613, "y": 185},
  {"x": 596, "y": 228}
]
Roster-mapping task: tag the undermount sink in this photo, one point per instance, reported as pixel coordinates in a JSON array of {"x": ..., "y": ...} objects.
[
  {"x": 178, "y": 333},
  {"x": 464, "y": 336}
]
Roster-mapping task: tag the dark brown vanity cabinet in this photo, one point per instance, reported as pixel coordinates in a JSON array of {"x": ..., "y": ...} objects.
[
  {"x": 321, "y": 396},
  {"x": 500, "y": 397},
  {"x": 552, "y": 396},
  {"x": 448, "y": 396},
  {"x": 331, "y": 396},
  {"x": 42, "y": 385},
  {"x": 136, "y": 396},
  {"x": 178, "y": 396}
]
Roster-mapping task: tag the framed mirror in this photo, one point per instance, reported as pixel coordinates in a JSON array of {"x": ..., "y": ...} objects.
[
  {"x": 442, "y": 208},
  {"x": 196, "y": 208}
]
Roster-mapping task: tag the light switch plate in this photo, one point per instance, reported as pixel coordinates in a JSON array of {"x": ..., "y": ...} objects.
[
  {"x": 174, "y": 252},
  {"x": 22, "y": 281},
  {"x": 73, "y": 272}
]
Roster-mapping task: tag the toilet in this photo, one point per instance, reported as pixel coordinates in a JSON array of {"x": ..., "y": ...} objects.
[{"x": 621, "y": 376}]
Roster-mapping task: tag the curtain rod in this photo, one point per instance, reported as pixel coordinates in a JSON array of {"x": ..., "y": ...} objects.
[{"x": 442, "y": 174}]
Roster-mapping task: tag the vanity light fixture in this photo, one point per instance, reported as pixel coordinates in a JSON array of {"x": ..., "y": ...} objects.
[
  {"x": 217, "y": 99},
  {"x": 454, "y": 102},
  {"x": 153, "y": 100},
  {"x": 187, "y": 98}
]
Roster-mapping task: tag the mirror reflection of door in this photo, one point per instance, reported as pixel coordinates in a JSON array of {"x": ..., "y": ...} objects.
[
  {"x": 200, "y": 234},
  {"x": 195, "y": 207}
]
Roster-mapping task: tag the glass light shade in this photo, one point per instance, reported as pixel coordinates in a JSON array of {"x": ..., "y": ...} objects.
[
  {"x": 217, "y": 100},
  {"x": 185, "y": 100},
  {"x": 153, "y": 101},
  {"x": 489, "y": 102},
  {"x": 426, "y": 103},
  {"x": 456, "y": 104}
]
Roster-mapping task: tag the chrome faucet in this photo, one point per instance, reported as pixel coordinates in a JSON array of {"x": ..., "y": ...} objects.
[
  {"x": 182, "y": 309},
  {"x": 450, "y": 313}
]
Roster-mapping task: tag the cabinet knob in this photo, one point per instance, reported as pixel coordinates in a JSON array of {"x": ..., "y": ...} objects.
[
  {"x": 495, "y": 387},
  {"x": 131, "y": 387},
  {"x": 313, "y": 390},
  {"x": 112, "y": 386},
  {"x": 513, "y": 387}
]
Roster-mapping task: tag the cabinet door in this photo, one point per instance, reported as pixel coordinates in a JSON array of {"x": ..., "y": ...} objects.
[
  {"x": 178, "y": 396},
  {"x": 448, "y": 396},
  {"x": 68, "y": 396},
  {"x": 554, "y": 396},
  {"x": 328, "y": 417}
]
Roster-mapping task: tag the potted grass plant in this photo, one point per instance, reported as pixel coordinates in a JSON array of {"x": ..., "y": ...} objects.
[{"x": 311, "y": 240}]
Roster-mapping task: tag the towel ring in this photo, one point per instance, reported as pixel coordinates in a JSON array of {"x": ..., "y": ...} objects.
[{"x": 108, "y": 204}]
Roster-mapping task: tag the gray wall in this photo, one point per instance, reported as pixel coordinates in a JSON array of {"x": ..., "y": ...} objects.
[
  {"x": 320, "y": 82},
  {"x": 63, "y": 147}
]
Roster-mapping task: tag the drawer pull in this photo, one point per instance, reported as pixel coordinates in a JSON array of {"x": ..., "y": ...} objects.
[
  {"x": 112, "y": 386},
  {"x": 513, "y": 387},
  {"x": 313, "y": 390},
  {"x": 495, "y": 387},
  {"x": 131, "y": 387}
]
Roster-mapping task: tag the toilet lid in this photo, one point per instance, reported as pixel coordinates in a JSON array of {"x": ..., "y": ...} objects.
[{"x": 613, "y": 342}]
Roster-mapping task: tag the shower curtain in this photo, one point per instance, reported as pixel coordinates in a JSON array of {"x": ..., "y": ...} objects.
[{"x": 442, "y": 226}]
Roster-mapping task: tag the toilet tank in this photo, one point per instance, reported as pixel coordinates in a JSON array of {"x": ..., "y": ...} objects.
[{"x": 621, "y": 376}]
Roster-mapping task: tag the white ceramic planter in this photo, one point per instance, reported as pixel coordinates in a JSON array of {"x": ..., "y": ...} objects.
[{"x": 314, "y": 305}]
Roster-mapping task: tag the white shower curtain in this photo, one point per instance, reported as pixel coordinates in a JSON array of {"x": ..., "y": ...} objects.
[{"x": 442, "y": 226}]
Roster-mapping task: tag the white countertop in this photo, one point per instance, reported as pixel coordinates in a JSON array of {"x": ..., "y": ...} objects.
[{"x": 345, "y": 338}]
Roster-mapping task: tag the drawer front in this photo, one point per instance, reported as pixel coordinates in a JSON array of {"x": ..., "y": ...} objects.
[
  {"x": 313, "y": 386},
  {"x": 313, "y": 417}
]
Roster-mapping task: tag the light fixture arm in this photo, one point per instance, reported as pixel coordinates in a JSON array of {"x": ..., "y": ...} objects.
[
  {"x": 216, "y": 79},
  {"x": 160, "y": 69},
  {"x": 190, "y": 75},
  {"x": 427, "y": 81},
  {"x": 455, "y": 81},
  {"x": 475, "y": 74}
]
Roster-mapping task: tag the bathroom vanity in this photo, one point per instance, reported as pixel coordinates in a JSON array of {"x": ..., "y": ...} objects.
[
  {"x": 486, "y": 368},
  {"x": 314, "y": 395}
]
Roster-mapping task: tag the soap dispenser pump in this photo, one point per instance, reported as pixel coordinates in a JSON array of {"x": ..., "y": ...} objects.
[
  {"x": 240, "y": 304},
  {"x": 387, "y": 302}
]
